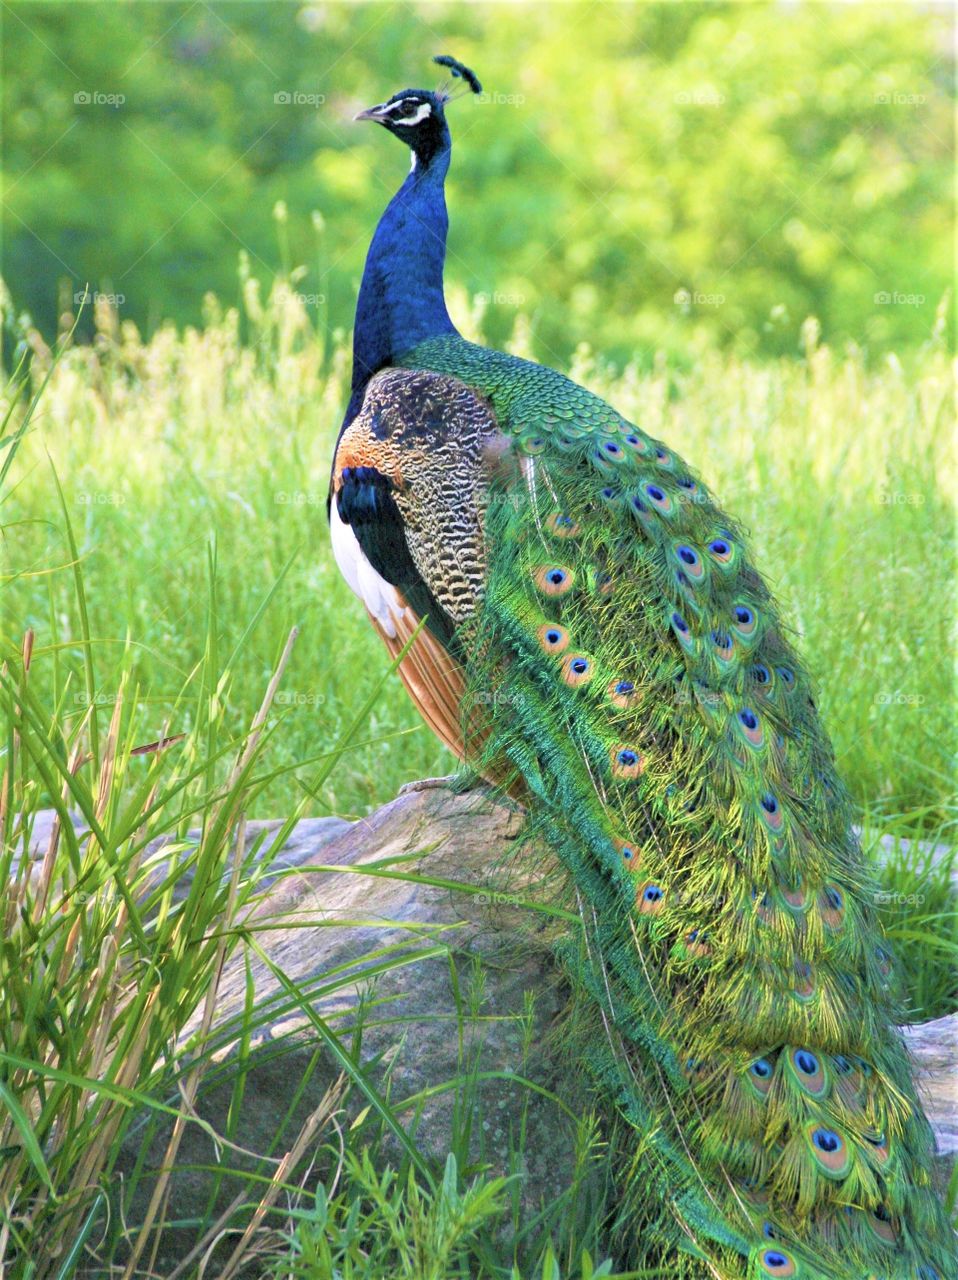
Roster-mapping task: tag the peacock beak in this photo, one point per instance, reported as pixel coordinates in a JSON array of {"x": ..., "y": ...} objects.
[{"x": 378, "y": 113}]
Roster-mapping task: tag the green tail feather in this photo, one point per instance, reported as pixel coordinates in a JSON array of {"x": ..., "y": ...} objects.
[{"x": 648, "y": 695}]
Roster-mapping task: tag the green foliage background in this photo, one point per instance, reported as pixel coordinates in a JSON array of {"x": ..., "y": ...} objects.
[{"x": 675, "y": 175}]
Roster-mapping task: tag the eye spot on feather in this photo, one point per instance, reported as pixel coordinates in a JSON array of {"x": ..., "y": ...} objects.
[
  {"x": 724, "y": 647},
  {"x": 609, "y": 494},
  {"x": 796, "y": 896},
  {"x": 695, "y": 1069},
  {"x": 750, "y": 727},
  {"x": 832, "y": 906},
  {"x": 809, "y": 1072},
  {"x": 630, "y": 854},
  {"x": 761, "y": 674},
  {"x": 830, "y": 1150},
  {"x": 776, "y": 1262},
  {"x": 786, "y": 674},
  {"x": 663, "y": 458},
  {"x": 577, "y": 670},
  {"x": 604, "y": 584},
  {"x": 696, "y": 944},
  {"x": 883, "y": 960},
  {"x": 721, "y": 550},
  {"x": 804, "y": 981},
  {"x": 688, "y": 483},
  {"x": 622, "y": 693},
  {"x": 636, "y": 443},
  {"x": 659, "y": 498},
  {"x": 561, "y": 526},
  {"x": 883, "y": 1225},
  {"x": 650, "y": 899},
  {"x": 878, "y": 1142},
  {"x": 771, "y": 812},
  {"x": 691, "y": 562},
  {"x": 744, "y": 620},
  {"x": 626, "y": 762},
  {"x": 554, "y": 579},
  {"x": 532, "y": 445},
  {"x": 760, "y": 1076},
  {"x": 552, "y": 637}
]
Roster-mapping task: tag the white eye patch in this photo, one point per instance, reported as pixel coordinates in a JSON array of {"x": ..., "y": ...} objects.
[{"x": 425, "y": 110}]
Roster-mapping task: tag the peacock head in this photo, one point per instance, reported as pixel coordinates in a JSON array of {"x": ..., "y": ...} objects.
[{"x": 418, "y": 116}]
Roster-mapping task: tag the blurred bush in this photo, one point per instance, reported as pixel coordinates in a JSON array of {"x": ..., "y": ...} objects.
[{"x": 677, "y": 175}]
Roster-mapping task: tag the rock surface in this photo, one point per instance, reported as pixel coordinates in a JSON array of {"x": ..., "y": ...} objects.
[{"x": 337, "y": 901}]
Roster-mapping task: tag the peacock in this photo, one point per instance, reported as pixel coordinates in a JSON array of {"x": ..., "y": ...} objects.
[{"x": 588, "y": 633}]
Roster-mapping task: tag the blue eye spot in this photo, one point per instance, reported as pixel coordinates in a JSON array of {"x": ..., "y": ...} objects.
[
  {"x": 748, "y": 718},
  {"x": 772, "y": 1258},
  {"x": 608, "y": 493},
  {"x": 579, "y": 666},
  {"x": 687, "y": 483},
  {"x": 624, "y": 686},
  {"x": 833, "y": 897},
  {"x": 761, "y": 1068},
  {"x": 720, "y": 547},
  {"x": 661, "y": 455},
  {"x": 638, "y": 503},
  {"x": 761, "y": 673},
  {"x": 679, "y": 623},
  {"x": 611, "y": 447},
  {"x": 744, "y": 616},
  {"x": 769, "y": 803},
  {"x": 553, "y": 637},
  {"x": 628, "y": 757},
  {"x": 632, "y": 439},
  {"x": 627, "y": 853},
  {"x": 826, "y": 1140},
  {"x": 787, "y": 674},
  {"x": 654, "y": 492},
  {"x": 556, "y": 577},
  {"x": 768, "y": 1231},
  {"x": 687, "y": 555},
  {"x": 721, "y": 639},
  {"x": 653, "y": 893},
  {"x": 806, "y": 1062},
  {"x": 564, "y": 520},
  {"x": 842, "y": 1065}
]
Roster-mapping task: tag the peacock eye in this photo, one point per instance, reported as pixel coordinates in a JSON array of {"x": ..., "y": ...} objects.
[{"x": 409, "y": 107}]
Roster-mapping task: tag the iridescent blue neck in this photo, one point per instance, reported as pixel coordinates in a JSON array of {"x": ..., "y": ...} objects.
[{"x": 401, "y": 299}]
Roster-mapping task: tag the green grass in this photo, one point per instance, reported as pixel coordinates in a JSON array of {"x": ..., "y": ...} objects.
[
  {"x": 166, "y": 449},
  {"x": 165, "y": 562}
]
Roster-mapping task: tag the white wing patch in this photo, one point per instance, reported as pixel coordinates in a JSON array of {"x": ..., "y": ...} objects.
[{"x": 379, "y": 596}]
